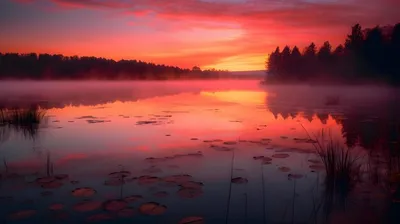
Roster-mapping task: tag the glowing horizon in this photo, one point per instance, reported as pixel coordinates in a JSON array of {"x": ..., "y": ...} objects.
[{"x": 223, "y": 34}]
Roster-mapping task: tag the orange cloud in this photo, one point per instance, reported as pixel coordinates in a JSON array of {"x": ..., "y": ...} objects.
[{"x": 234, "y": 34}]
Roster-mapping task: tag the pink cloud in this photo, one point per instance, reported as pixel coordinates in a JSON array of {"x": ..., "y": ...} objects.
[{"x": 263, "y": 24}]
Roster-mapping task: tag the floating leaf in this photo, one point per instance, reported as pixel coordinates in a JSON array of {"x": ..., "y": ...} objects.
[
  {"x": 230, "y": 143},
  {"x": 191, "y": 184},
  {"x": 87, "y": 117},
  {"x": 190, "y": 192},
  {"x": 161, "y": 194},
  {"x": 56, "y": 207},
  {"x": 119, "y": 174},
  {"x": 24, "y": 214},
  {"x": 44, "y": 180},
  {"x": 99, "y": 217},
  {"x": 87, "y": 206},
  {"x": 258, "y": 157},
  {"x": 192, "y": 220},
  {"x": 280, "y": 156},
  {"x": 266, "y": 162},
  {"x": 148, "y": 180},
  {"x": 221, "y": 148},
  {"x": 145, "y": 122},
  {"x": 178, "y": 179},
  {"x": 284, "y": 137},
  {"x": 52, "y": 185},
  {"x": 317, "y": 167},
  {"x": 126, "y": 212},
  {"x": 266, "y": 159},
  {"x": 152, "y": 208},
  {"x": 61, "y": 176},
  {"x": 194, "y": 139},
  {"x": 83, "y": 192},
  {"x": 314, "y": 161},
  {"x": 133, "y": 198},
  {"x": 114, "y": 205},
  {"x": 284, "y": 169},
  {"x": 239, "y": 180}
]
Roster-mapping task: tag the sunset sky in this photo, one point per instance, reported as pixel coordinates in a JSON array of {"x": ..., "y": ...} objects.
[{"x": 224, "y": 34}]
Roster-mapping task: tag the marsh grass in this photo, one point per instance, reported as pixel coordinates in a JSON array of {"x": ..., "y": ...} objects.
[
  {"x": 23, "y": 120},
  {"x": 343, "y": 170}
]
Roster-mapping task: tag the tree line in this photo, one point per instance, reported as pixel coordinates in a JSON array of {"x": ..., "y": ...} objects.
[
  {"x": 60, "y": 67},
  {"x": 367, "y": 54}
]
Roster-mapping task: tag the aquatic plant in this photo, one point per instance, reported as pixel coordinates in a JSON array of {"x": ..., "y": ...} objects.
[
  {"x": 342, "y": 169},
  {"x": 24, "y": 120}
]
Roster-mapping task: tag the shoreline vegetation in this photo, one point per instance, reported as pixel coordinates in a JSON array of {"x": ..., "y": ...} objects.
[
  {"x": 32, "y": 66},
  {"x": 368, "y": 56}
]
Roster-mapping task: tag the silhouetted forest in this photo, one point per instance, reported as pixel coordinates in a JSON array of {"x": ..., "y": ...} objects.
[
  {"x": 59, "y": 67},
  {"x": 367, "y": 54}
]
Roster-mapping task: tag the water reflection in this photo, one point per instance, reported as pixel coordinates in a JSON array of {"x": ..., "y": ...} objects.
[{"x": 159, "y": 153}]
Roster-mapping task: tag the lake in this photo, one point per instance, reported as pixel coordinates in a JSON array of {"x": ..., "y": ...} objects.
[{"x": 228, "y": 151}]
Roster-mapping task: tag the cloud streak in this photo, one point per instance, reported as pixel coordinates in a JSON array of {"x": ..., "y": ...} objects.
[{"x": 247, "y": 27}]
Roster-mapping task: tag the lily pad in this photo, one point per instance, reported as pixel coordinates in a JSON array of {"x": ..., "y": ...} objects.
[
  {"x": 133, "y": 198},
  {"x": 161, "y": 194},
  {"x": 314, "y": 161},
  {"x": 194, "y": 139},
  {"x": 86, "y": 117},
  {"x": 87, "y": 206},
  {"x": 152, "y": 208},
  {"x": 148, "y": 180},
  {"x": 266, "y": 159},
  {"x": 119, "y": 174},
  {"x": 258, "y": 157},
  {"x": 284, "y": 137},
  {"x": 52, "y": 185},
  {"x": 221, "y": 148},
  {"x": 43, "y": 180},
  {"x": 61, "y": 176},
  {"x": 83, "y": 192},
  {"x": 239, "y": 180},
  {"x": 280, "y": 155},
  {"x": 56, "y": 207},
  {"x": 230, "y": 143},
  {"x": 114, "y": 205},
  {"x": 284, "y": 169},
  {"x": 178, "y": 179},
  {"x": 24, "y": 214},
  {"x": 192, "y": 220},
  {"x": 99, "y": 217},
  {"x": 317, "y": 167},
  {"x": 190, "y": 192},
  {"x": 126, "y": 212}
]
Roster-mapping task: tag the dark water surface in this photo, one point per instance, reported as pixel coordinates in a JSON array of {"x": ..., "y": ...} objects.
[{"x": 175, "y": 146}]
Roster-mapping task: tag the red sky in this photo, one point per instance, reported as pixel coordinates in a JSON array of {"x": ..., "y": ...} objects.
[{"x": 224, "y": 34}]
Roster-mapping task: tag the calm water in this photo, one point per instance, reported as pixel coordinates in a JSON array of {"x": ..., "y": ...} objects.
[{"x": 203, "y": 131}]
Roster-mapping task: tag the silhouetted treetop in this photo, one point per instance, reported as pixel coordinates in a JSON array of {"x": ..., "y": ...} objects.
[
  {"x": 46, "y": 66},
  {"x": 370, "y": 54}
]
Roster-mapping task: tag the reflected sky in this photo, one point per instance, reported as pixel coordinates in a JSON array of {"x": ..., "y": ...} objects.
[{"x": 94, "y": 129}]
